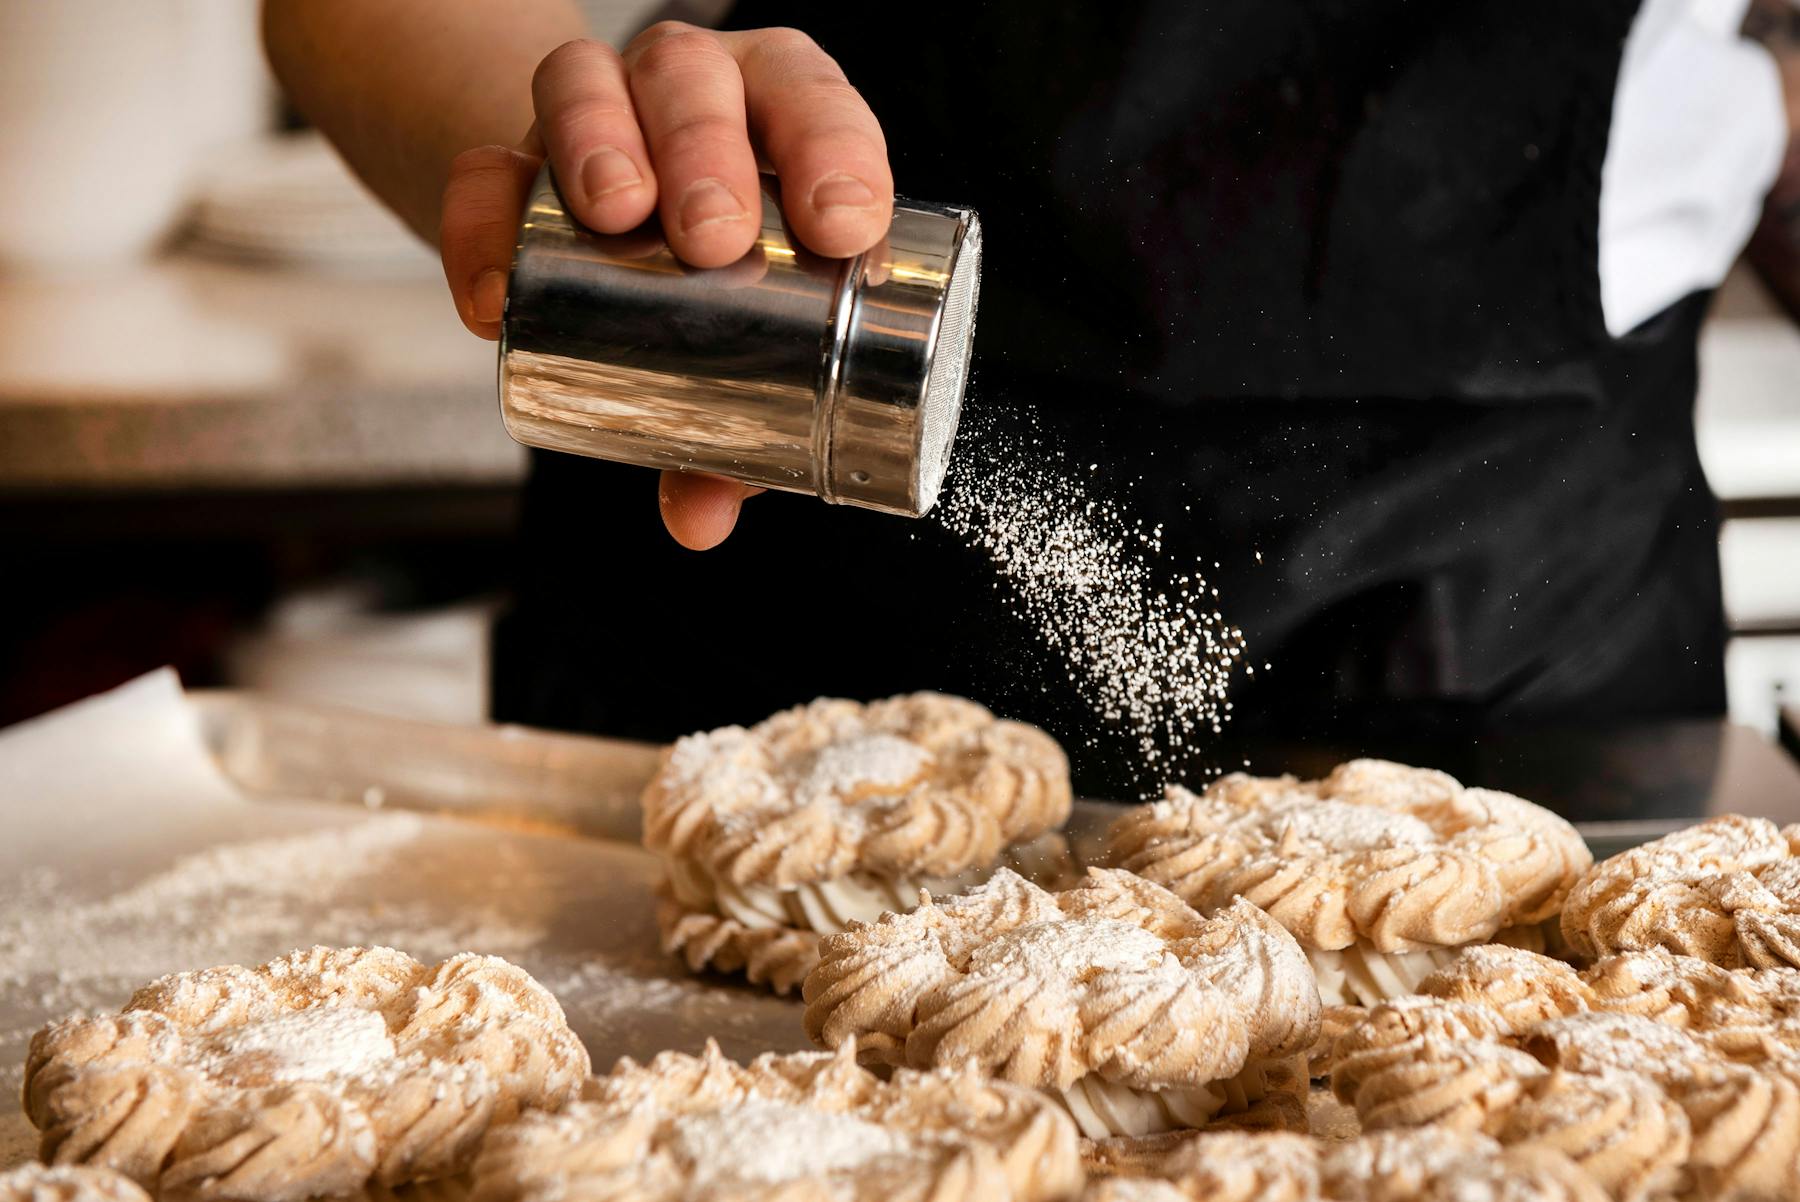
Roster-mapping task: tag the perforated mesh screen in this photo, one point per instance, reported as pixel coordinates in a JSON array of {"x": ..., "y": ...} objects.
[{"x": 949, "y": 368}]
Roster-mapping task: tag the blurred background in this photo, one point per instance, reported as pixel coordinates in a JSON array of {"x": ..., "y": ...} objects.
[{"x": 242, "y": 431}]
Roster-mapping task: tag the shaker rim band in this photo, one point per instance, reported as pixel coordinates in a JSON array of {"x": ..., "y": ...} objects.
[{"x": 831, "y": 376}]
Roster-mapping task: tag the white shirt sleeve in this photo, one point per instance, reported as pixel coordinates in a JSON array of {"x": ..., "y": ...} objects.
[{"x": 1698, "y": 134}]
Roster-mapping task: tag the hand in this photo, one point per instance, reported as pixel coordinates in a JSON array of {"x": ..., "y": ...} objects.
[{"x": 676, "y": 126}]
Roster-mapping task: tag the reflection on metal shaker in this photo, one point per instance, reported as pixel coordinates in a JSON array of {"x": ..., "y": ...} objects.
[{"x": 841, "y": 378}]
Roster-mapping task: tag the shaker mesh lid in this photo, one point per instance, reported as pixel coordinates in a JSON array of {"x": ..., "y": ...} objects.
[{"x": 942, "y": 404}]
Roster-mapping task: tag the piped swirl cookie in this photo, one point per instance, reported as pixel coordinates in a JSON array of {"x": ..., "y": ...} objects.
[
  {"x": 1381, "y": 871},
  {"x": 837, "y": 811},
  {"x": 1726, "y": 891},
  {"x": 317, "y": 1073},
  {"x": 812, "y": 1127},
  {"x": 1426, "y": 1165},
  {"x": 1136, "y": 1013},
  {"x": 1662, "y": 1076}
]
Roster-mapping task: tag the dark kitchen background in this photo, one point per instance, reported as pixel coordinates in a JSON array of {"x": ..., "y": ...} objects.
[{"x": 242, "y": 431}]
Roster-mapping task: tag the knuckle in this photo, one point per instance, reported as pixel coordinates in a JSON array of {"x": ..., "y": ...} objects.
[
  {"x": 830, "y": 144},
  {"x": 481, "y": 160},
  {"x": 848, "y": 147},
  {"x": 823, "y": 92},
  {"x": 602, "y": 120},
  {"x": 474, "y": 236},
  {"x": 788, "y": 58},
  {"x": 659, "y": 30},
  {"x": 475, "y": 229},
  {"x": 573, "y": 71},
  {"x": 663, "y": 29},
  {"x": 782, "y": 39},
  {"x": 681, "y": 48},
  {"x": 700, "y": 135},
  {"x": 581, "y": 51}
]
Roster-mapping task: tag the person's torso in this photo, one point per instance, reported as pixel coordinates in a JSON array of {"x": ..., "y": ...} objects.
[{"x": 1313, "y": 286}]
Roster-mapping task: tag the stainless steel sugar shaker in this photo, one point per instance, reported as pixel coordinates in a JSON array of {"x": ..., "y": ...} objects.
[{"x": 841, "y": 378}]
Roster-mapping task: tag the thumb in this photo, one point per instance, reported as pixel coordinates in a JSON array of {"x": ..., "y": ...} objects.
[{"x": 483, "y": 199}]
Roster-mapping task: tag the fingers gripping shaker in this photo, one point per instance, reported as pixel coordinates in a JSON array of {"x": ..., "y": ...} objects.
[{"x": 840, "y": 378}]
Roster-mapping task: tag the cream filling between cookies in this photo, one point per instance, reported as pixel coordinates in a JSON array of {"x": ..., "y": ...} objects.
[
  {"x": 829, "y": 907},
  {"x": 1359, "y": 975},
  {"x": 1104, "y": 1109},
  {"x": 823, "y": 906}
]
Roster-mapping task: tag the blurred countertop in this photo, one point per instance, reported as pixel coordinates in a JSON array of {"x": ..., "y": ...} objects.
[{"x": 195, "y": 374}]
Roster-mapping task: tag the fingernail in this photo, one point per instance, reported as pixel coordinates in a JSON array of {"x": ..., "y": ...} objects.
[
  {"x": 707, "y": 201},
  {"x": 840, "y": 191},
  {"x": 606, "y": 171},
  {"x": 487, "y": 299}
]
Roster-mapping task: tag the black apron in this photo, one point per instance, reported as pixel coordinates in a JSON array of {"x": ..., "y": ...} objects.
[{"x": 1307, "y": 278}]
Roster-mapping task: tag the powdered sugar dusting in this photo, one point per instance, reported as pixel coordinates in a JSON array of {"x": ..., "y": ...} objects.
[
  {"x": 315, "y": 1044},
  {"x": 1142, "y": 638},
  {"x": 880, "y": 763},
  {"x": 1072, "y": 949},
  {"x": 1589, "y": 1042},
  {"x": 1341, "y": 826},
  {"x": 768, "y": 1142}
]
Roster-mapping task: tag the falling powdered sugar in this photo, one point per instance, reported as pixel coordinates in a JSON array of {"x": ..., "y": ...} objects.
[{"x": 1143, "y": 642}]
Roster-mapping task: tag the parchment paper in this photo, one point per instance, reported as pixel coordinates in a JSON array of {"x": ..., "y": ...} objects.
[{"x": 125, "y": 854}]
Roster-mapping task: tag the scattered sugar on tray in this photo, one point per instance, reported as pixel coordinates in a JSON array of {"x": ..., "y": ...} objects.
[
  {"x": 201, "y": 903},
  {"x": 1143, "y": 642},
  {"x": 391, "y": 879},
  {"x": 767, "y": 1142},
  {"x": 236, "y": 903}
]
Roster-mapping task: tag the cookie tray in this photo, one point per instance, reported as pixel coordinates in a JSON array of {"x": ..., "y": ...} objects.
[
  {"x": 630, "y": 1002},
  {"x": 167, "y": 831}
]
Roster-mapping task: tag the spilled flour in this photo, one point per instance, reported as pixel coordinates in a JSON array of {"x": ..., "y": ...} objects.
[{"x": 1141, "y": 635}]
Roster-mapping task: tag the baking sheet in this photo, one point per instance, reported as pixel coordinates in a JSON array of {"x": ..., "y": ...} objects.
[{"x": 149, "y": 831}]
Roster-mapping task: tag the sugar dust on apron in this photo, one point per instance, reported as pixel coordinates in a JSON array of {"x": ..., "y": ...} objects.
[{"x": 1314, "y": 280}]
